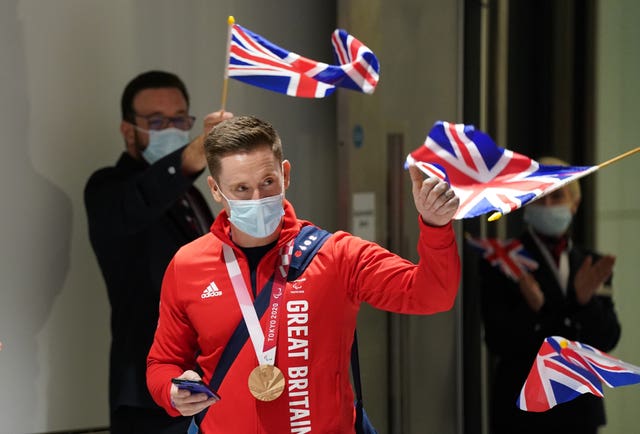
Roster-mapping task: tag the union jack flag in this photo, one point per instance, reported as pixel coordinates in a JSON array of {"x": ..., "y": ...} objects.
[
  {"x": 565, "y": 369},
  {"x": 487, "y": 177},
  {"x": 255, "y": 60},
  {"x": 509, "y": 255},
  {"x": 433, "y": 170}
]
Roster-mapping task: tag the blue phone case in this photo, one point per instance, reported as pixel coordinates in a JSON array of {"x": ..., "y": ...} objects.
[{"x": 195, "y": 387}]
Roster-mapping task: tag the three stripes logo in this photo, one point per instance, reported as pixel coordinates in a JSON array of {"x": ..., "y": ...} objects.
[{"x": 211, "y": 291}]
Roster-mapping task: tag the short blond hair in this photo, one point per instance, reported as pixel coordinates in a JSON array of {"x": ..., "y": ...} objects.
[{"x": 574, "y": 186}]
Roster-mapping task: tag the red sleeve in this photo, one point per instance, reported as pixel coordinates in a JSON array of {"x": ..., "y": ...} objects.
[
  {"x": 386, "y": 281},
  {"x": 174, "y": 345}
]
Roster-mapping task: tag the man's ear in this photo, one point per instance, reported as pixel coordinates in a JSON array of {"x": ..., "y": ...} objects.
[
  {"x": 286, "y": 172},
  {"x": 129, "y": 134},
  {"x": 213, "y": 186}
]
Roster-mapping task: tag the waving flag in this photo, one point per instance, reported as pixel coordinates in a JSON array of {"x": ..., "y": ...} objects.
[
  {"x": 433, "y": 170},
  {"x": 565, "y": 369},
  {"x": 255, "y": 60},
  {"x": 509, "y": 255},
  {"x": 485, "y": 176}
]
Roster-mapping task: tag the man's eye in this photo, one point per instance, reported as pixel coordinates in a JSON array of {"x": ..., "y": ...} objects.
[{"x": 156, "y": 122}]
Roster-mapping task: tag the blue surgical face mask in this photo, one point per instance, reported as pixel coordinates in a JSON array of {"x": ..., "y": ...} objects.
[
  {"x": 256, "y": 217},
  {"x": 552, "y": 221},
  {"x": 163, "y": 143}
]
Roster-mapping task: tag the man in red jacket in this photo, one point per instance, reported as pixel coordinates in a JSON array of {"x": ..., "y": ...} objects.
[{"x": 292, "y": 373}]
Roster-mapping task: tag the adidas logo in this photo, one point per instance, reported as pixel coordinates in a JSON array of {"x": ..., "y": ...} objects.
[{"x": 211, "y": 291}]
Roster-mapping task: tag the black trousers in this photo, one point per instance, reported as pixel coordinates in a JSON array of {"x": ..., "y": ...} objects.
[{"x": 136, "y": 420}]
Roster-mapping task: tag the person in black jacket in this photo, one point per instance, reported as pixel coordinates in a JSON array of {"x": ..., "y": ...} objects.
[
  {"x": 569, "y": 295},
  {"x": 140, "y": 212}
]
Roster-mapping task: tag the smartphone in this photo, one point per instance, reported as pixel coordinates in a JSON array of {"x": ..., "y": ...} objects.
[{"x": 195, "y": 386}]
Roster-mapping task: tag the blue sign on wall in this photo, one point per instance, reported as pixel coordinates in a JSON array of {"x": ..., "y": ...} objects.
[{"x": 358, "y": 136}]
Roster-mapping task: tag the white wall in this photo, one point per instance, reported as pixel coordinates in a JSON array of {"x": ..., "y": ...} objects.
[
  {"x": 64, "y": 65},
  {"x": 617, "y": 198}
]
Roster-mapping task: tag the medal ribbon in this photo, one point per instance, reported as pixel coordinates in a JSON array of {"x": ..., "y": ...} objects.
[{"x": 264, "y": 346}]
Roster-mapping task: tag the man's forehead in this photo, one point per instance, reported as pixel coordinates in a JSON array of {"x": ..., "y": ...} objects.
[
  {"x": 159, "y": 97},
  {"x": 246, "y": 166}
]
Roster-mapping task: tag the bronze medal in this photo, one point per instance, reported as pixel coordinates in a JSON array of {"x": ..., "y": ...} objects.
[{"x": 266, "y": 383}]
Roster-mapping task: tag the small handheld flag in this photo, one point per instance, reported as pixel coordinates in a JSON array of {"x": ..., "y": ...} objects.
[
  {"x": 255, "y": 60},
  {"x": 508, "y": 255},
  {"x": 486, "y": 177},
  {"x": 564, "y": 370}
]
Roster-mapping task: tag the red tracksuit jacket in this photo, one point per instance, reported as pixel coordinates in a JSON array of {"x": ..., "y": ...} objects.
[{"x": 315, "y": 327}]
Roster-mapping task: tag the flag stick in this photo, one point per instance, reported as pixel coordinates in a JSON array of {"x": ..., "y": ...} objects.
[
  {"x": 619, "y": 157},
  {"x": 496, "y": 215},
  {"x": 231, "y": 21}
]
